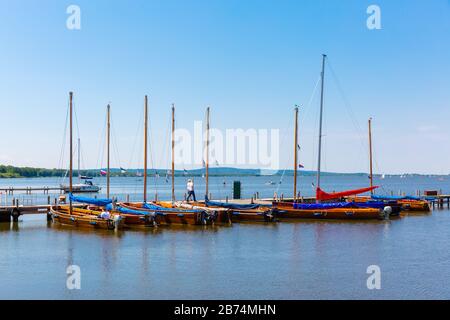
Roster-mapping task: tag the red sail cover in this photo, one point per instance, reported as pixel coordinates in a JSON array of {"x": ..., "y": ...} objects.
[{"x": 322, "y": 195}]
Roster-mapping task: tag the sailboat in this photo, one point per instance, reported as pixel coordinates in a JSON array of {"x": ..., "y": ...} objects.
[
  {"x": 167, "y": 213},
  {"x": 83, "y": 217},
  {"x": 397, "y": 204},
  {"x": 320, "y": 209}
]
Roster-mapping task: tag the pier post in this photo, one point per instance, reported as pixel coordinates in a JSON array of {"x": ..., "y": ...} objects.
[
  {"x": 128, "y": 198},
  {"x": 15, "y": 213},
  {"x": 49, "y": 216}
]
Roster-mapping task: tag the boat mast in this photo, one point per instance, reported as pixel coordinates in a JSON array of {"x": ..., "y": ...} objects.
[
  {"x": 320, "y": 124},
  {"x": 173, "y": 152},
  {"x": 71, "y": 156},
  {"x": 207, "y": 153},
  {"x": 108, "y": 149},
  {"x": 79, "y": 148},
  {"x": 145, "y": 146},
  {"x": 295, "y": 152},
  {"x": 370, "y": 154}
]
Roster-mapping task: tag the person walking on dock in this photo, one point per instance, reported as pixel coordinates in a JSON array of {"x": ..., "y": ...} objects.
[{"x": 190, "y": 190}]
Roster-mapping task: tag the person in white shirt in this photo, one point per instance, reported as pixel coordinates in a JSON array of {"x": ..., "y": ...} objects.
[{"x": 190, "y": 190}]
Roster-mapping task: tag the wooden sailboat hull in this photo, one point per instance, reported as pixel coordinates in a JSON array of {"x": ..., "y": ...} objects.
[
  {"x": 245, "y": 215},
  {"x": 130, "y": 220},
  {"x": 401, "y": 204},
  {"x": 415, "y": 205},
  {"x": 286, "y": 211},
  {"x": 139, "y": 221},
  {"x": 82, "y": 218},
  {"x": 168, "y": 217},
  {"x": 222, "y": 215},
  {"x": 252, "y": 216}
]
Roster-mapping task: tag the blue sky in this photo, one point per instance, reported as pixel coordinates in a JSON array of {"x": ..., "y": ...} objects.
[{"x": 251, "y": 61}]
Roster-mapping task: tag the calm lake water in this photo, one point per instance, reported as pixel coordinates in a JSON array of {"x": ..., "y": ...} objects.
[{"x": 295, "y": 260}]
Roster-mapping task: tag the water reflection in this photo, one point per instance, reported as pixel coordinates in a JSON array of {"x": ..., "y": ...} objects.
[
  {"x": 302, "y": 259},
  {"x": 5, "y": 226}
]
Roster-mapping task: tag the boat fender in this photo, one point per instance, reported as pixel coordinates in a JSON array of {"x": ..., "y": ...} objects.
[
  {"x": 268, "y": 217},
  {"x": 387, "y": 211},
  {"x": 317, "y": 214},
  {"x": 117, "y": 219},
  {"x": 204, "y": 217}
]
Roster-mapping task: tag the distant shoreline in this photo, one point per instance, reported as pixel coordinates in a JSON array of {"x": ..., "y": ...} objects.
[{"x": 11, "y": 172}]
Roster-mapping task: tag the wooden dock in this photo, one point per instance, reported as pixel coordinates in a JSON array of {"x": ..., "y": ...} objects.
[
  {"x": 14, "y": 211},
  {"x": 29, "y": 190},
  {"x": 439, "y": 202}
]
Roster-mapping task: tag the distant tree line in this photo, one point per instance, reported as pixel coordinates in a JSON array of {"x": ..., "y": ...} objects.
[{"x": 27, "y": 172}]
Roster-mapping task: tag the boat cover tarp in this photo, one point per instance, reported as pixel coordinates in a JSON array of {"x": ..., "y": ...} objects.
[
  {"x": 152, "y": 206},
  {"x": 322, "y": 195},
  {"x": 128, "y": 211},
  {"x": 395, "y": 198},
  {"x": 234, "y": 206},
  {"x": 335, "y": 205},
  {"x": 370, "y": 204},
  {"x": 93, "y": 201},
  {"x": 318, "y": 206}
]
